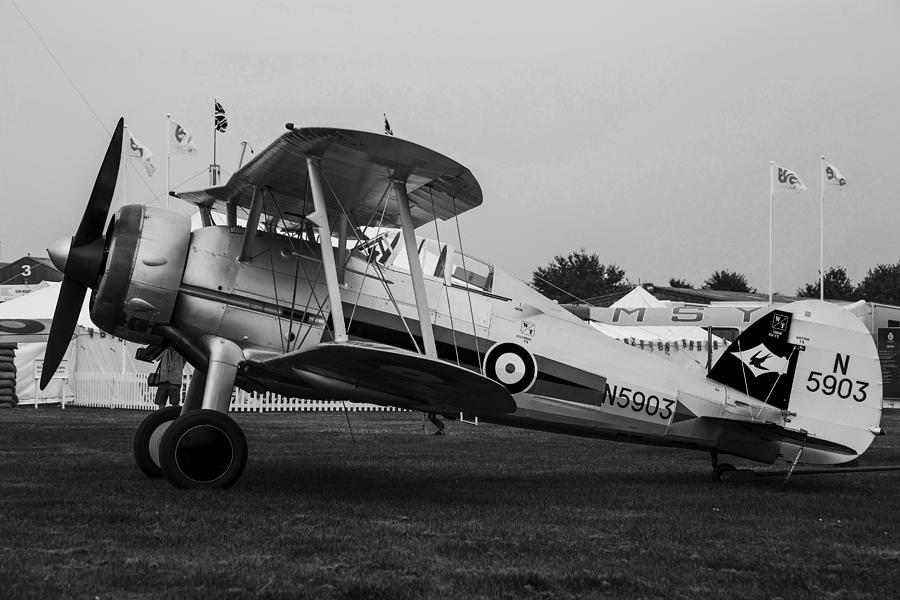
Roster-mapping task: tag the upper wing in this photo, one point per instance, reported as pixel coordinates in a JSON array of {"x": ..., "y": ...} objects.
[
  {"x": 357, "y": 167},
  {"x": 379, "y": 374}
]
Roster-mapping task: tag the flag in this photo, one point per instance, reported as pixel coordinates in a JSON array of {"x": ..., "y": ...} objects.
[
  {"x": 833, "y": 176},
  {"x": 221, "y": 121},
  {"x": 135, "y": 149},
  {"x": 387, "y": 126},
  {"x": 788, "y": 179},
  {"x": 180, "y": 141}
]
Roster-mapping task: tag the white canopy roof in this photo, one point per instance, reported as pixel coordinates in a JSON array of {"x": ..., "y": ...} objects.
[
  {"x": 641, "y": 298},
  {"x": 41, "y": 304}
]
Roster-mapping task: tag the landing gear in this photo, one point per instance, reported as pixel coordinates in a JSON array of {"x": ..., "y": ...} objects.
[
  {"x": 204, "y": 449},
  {"x": 721, "y": 473},
  {"x": 147, "y": 439},
  {"x": 198, "y": 446}
]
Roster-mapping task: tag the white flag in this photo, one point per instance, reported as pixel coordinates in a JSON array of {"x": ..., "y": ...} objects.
[
  {"x": 135, "y": 149},
  {"x": 788, "y": 179},
  {"x": 833, "y": 176},
  {"x": 180, "y": 141}
]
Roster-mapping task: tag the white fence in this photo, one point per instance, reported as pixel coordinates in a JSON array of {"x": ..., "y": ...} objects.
[{"x": 130, "y": 390}]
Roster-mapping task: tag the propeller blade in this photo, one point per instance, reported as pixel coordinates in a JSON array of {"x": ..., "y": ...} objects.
[
  {"x": 94, "y": 219},
  {"x": 82, "y": 255},
  {"x": 65, "y": 317}
]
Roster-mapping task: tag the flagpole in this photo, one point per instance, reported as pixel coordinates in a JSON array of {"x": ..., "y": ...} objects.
[
  {"x": 243, "y": 150},
  {"x": 168, "y": 155},
  {"x": 213, "y": 179},
  {"x": 124, "y": 168},
  {"x": 822, "y": 230},
  {"x": 771, "y": 212}
]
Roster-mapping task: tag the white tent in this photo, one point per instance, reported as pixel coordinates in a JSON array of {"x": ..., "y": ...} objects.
[
  {"x": 91, "y": 350},
  {"x": 686, "y": 345}
]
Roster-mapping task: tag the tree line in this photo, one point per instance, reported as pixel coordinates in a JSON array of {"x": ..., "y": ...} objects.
[{"x": 580, "y": 276}]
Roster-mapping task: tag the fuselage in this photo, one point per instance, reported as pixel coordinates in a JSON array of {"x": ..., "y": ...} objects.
[{"x": 584, "y": 384}]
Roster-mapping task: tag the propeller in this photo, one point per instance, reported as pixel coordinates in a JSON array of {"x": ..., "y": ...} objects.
[{"x": 80, "y": 257}]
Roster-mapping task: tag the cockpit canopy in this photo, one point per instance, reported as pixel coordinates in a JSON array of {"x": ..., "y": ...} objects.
[{"x": 438, "y": 260}]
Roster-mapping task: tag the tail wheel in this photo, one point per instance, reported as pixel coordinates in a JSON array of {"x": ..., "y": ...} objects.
[
  {"x": 721, "y": 473},
  {"x": 147, "y": 440},
  {"x": 204, "y": 449}
]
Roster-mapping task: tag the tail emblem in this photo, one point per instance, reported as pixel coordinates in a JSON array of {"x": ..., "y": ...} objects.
[
  {"x": 760, "y": 360},
  {"x": 780, "y": 322}
]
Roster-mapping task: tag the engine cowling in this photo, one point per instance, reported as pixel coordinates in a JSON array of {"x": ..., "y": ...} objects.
[{"x": 143, "y": 264}]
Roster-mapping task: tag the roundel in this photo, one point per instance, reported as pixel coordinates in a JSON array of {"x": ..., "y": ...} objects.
[
  {"x": 511, "y": 365},
  {"x": 21, "y": 326}
]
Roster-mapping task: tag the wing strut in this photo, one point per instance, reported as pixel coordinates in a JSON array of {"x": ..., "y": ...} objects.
[
  {"x": 320, "y": 218},
  {"x": 342, "y": 246},
  {"x": 415, "y": 268},
  {"x": 252, "y": 225}
]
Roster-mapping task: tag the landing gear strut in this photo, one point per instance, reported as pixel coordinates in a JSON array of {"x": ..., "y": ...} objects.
[
  {"x": 198, "y": 446},
  {"x": 720, "y": 472}
]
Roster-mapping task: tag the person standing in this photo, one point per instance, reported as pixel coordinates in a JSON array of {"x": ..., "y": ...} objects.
[
  {"x": 437, "y": 423},
  {"x": 171, "y": 366}
]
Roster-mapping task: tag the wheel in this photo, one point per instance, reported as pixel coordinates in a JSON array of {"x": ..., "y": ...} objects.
[
  {"x": 204, "y": 449},
  {"x": 147, "y": 438},
  {"x": 720, "y": 473}
]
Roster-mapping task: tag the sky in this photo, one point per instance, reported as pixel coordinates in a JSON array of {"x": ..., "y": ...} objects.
[{"x": 638, "y": 130}]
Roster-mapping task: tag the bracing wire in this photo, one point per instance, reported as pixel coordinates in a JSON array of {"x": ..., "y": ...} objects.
[
  {"x": 69, "y": 79},
  {"x": 743, "y": 370},
  {"x": 293, "y": 303},
  {"x": 377, "y": 266},
  {"x": 157, "y": 197},
  {"x": 462, "y": 253},
  {"x": 349, "y": 425},
  {"x": 444, "y": 283},
  {"x": 777, "y": 379},
  {"x": 566, "y": 292},
  {"x": 285, "y": 343},
  {"x": 319, "y": 305},
  {"x": 371, "y": 258}
]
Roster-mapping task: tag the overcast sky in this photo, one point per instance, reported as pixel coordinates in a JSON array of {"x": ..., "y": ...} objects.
[{"x": 641, "y": 131}]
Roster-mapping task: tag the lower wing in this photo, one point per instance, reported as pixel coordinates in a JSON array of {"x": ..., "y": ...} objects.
[{"x": 379, "y": 374}]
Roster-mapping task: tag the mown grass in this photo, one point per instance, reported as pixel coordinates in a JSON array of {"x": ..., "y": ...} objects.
[{"x": 484, "y": 512}]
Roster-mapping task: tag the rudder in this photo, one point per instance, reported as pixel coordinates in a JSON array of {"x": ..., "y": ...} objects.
[{"x": 817, "y": 363}]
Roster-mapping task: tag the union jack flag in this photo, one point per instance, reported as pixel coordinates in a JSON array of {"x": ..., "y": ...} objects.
[{"x": 220, "y": 120}]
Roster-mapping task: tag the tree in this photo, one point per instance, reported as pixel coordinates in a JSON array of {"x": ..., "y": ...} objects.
[
  {"x": 881, "y": 284},
  {"x": 680, "y": 283},
  {"x": 837, "y": 286},
  {"x": 728, "y": 281},
  {"x": 578, "y": 276}
]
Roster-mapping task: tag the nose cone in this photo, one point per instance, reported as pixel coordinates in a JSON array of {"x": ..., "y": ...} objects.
[
  {"x": 81, "y": 263},
  {"x": 59, "y": 253}
]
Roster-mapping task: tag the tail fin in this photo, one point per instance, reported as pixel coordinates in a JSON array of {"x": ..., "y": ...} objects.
[{"x": 819, "y": 364}]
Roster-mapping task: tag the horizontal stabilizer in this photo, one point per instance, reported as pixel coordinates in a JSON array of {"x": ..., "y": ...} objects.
[
  {"x": 379, "y": 374},
  {"x": 771, "y": 432}
]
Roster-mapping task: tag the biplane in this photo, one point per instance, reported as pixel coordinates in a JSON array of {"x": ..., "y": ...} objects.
[{"x": 327, "y": 292}]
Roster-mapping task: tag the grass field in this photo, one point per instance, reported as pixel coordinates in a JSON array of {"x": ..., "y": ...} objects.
[{"x": 484, "y": 512}]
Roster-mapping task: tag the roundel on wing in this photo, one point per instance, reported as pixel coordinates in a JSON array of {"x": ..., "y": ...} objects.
[{"x": 510, "y": 365}]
